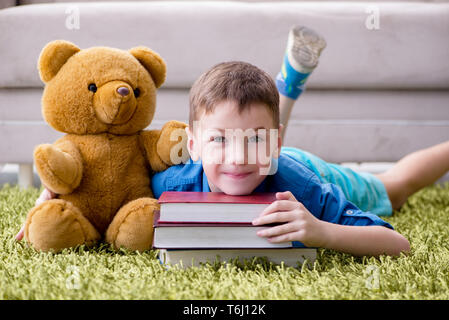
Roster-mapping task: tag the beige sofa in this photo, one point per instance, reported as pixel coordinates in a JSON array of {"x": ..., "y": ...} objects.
[{"x": 381, "y": 89}]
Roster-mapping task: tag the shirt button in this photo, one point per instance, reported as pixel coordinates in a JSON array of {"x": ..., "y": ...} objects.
[{"x": 349, "y": 211}]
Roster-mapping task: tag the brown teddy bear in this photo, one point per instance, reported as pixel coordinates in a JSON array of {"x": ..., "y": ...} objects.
[{"x": 102, "y": 98}]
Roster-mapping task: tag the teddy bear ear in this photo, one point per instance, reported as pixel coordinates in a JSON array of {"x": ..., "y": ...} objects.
[
  {"x": 54, "y": 55},
  {"x": 152, "y": 62}
]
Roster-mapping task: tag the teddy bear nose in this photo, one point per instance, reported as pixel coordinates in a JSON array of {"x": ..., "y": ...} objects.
[{"x": 123, "y": 91}]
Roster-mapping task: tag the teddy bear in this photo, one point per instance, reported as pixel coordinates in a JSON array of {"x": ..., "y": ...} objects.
[{"x": 102, "y": 99}]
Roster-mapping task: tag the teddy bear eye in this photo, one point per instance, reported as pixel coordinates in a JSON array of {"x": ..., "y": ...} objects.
[
  {"x": 136, "y": 92},
  {"x": 92, "y": 87}
]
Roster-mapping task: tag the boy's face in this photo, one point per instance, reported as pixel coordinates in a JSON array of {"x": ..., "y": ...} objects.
[{"x": 235, "y": 149}]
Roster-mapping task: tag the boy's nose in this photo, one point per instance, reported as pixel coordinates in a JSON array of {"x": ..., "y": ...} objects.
[{"x": 237, "y": 154}]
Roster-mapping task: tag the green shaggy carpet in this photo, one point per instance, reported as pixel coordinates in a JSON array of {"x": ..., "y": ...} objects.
[{"x": 100, "y": 273}]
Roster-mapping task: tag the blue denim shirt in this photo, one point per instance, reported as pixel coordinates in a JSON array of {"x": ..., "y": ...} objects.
[{"x": 325, "y": 201}]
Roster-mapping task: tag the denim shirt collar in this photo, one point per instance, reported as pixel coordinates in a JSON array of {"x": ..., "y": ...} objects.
[{"x": 205, "y": 186}]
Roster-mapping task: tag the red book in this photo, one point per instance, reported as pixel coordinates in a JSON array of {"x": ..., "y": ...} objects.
[
  {"x": 215, "y": 197},
  {"x": 212, "y": 207}
]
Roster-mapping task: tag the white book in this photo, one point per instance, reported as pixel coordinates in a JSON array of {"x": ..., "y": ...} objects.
[
  {"x": 182, "y": 236},
  {"x": 291, "y": 257}
]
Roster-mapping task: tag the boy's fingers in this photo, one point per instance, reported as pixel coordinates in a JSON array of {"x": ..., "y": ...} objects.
[
  {"x": 44, "y": 196},
  {"x": 281, "y": 216},
  {"x": 41, "y": 198},
  {"x": 19, "y": 235},
  {"x": 48, "y": 194},
  {"x": 279, "y": 205},
  {"x": 286, "y": 195},
  {"x": 277, "y": 230},
  {"x": 286, "y": 237}
]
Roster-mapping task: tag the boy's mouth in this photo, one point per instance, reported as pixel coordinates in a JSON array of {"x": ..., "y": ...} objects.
[{"x": 237, "y": 175}]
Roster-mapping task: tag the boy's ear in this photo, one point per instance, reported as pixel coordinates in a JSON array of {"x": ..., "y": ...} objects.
[
  {"x": 53, "y": 56},
  {"x": 277, "y": 152},
  {"x": 152, "y": 62},
  {"x": 192, "y": 145}
]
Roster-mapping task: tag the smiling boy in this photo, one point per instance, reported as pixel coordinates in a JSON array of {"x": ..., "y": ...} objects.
[{"x": 234, "y": 109}]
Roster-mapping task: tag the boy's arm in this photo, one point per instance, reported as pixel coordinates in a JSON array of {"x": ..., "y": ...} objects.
[
  {"x": 366, "y": 240},
  {"x": 299, "y": 224}
]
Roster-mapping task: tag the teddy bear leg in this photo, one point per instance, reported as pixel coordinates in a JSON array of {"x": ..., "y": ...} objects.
[
  {"x": 57, "y": 224},
  {"x": 132, "y": 227}
]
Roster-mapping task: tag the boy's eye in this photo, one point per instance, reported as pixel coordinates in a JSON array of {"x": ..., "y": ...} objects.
[
  {"x": 219, "y": 139},
  {"x": 255, "y": 139}
]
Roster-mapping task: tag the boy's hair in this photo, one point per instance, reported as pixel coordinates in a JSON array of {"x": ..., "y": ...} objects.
[{"x": 235, "y": 81}]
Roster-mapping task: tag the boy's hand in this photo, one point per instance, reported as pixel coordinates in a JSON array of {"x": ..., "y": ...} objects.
[
  {"x": 298, "y": 223},
  {"x": 45, "y": 195}
]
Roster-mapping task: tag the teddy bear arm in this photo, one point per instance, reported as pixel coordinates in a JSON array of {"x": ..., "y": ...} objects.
[
  {"x": 149, "y": 142},
  {"x": 166, "y": 147},
  {"x": 59, "y": 166}
]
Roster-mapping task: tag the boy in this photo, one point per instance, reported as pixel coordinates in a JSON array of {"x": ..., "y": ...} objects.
[{"x": 236, "y": 97}]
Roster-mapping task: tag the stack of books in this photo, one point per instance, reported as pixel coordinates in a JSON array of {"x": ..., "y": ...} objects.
[{"x": 195, "y": 227}]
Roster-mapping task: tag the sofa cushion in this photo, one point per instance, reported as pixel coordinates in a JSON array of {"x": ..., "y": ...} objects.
[
  {"x": 337, "y": 125},
  {"x": 7, "y": 3},
  {"x": 408, "y": 50}
]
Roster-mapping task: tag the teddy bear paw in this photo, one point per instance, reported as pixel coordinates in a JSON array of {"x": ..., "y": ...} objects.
[
  {"x": 58, "y": 170},
  {"x": 132, "y": 227},
  {"x": 57, "y": 224}
]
